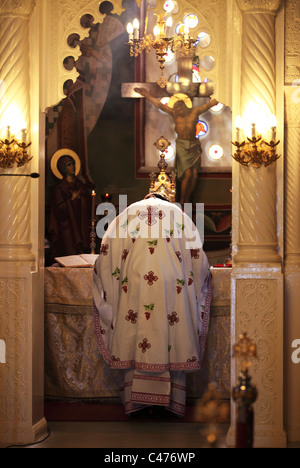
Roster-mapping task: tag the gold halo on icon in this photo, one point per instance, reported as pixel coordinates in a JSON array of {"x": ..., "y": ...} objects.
[
  {"x": 180, "y": 97},
  {"x": 64, "y": 152}
]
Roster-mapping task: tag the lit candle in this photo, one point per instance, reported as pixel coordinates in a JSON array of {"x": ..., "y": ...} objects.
[
  {"x": 24, "y": 135},
  {"x": 8, "y": 133},
  {"x": 273, "y": 123},
  {"x": 93, "y": 204},
  {"x": 136, "y": 27},
  {"x": 253, "y": 130},
  {"x": 130, "y": 31},
  {"x": 156, "y": 31},
  {"x": 238, "y": 126},
  {"x": 169, "y": 23}
]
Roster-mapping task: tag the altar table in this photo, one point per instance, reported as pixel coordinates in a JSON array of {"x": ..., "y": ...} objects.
[{"x": 74, "y": 369}]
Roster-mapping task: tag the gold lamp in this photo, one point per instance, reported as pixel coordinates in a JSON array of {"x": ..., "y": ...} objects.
[
  {"x": 254, "y": 149},
  {"x": 13, "y": 151},
  {"x": 161, "y": 41}
]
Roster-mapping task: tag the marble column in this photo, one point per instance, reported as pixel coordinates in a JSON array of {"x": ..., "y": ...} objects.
[
  {"x": 257, "y": 279},
  {"x": 14, "y": 72},
  {"x": 257, "y": 240},
  {"x": 292, "y": 260},
  {"x": 20, "y": 420}
]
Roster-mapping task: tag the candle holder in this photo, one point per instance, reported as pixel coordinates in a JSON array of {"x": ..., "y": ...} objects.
[
  {"x": 161, "y": 42},
  {"x": 93, "y": 236},
  {"x": 244, "y": 393},
  {"x": 93, "y": 225},
  {"x": 256, "y": 152},
  {"x": 106, "y": 197},
  {"x": 212, "y": 410},
  {"x": 13, "y": 152}
]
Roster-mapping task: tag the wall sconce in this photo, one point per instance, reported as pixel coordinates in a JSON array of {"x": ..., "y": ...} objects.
[
  {"x": 255, "y": 150},
  {"x": 13, "y": 151}
]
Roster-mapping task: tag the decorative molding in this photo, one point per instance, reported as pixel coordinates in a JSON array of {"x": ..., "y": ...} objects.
[
  {"x": 14, "y": 375},
  {"x": 257, "y": 310},
  {"x": 271, "y": 6},
  {"x": 292, "y": 41},
  {"x": 17, "y": 8}
]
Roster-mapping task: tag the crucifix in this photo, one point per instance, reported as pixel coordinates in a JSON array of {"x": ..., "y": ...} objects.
[{"x": 185, "y": 117}]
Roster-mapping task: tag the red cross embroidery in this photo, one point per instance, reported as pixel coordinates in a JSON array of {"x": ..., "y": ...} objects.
[
  {"x": 151, "y": 215},
  {"x": 173, "y": 318},
  {"x": 150, "y": 278},
  {"x": 131, "y": 317},
  {"x": 144, "y": 345},
  {"x": 103, "y": 249},
  {"x": 195, "y": 253}
]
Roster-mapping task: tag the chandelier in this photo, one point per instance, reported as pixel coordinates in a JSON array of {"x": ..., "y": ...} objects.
[
  {"x": 161, "y": 41},
  {"x": 13, "y": 152}
]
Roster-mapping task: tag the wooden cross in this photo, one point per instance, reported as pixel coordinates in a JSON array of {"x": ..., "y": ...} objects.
[{"x": 184, "y": 85}]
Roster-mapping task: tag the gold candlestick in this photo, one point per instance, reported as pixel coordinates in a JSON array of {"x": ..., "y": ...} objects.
[{"x": 93, "y": 231}]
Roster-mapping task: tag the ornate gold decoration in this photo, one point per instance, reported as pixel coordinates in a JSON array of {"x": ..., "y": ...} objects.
[
  {"x": 13, "y": 152},
  {"x": 161, "y": 42},
  {"x": 244, "y": 393},
  {"x": 212, "y": 410},
  {"x": 244, "y": 350},
  {"x": 164, "y": 184},
  {"x": 255, "y": 151},
  {"x": 180, "y": 97},
  {"x": 64, "y": 152}
]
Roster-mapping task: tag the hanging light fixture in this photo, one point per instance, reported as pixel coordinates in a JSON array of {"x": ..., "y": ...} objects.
[{"x": 161, "y": 41}]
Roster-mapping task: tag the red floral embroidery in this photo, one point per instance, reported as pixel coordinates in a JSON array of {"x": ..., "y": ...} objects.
[
  {"x": 103, "y": 249},
  {"x": 178, "y": 254},
  {"x": 169, "y": 234},
  {"x": 150, "y": 278},
  {"x": 191, "y": 280},
  {"x": 193, "y": 359},
  {"x": 102, "y": 331},
  {"x": 173, "y": 318},
  {"x": 152, "y": 244},
  {"x": 124, "y": 255},
  {"x": 144, "y": 345},
  {"x": 180, "y": 284},
  {"x": 148, "y": 309},
  {"x": 124, "y": 284},
  {"x": 114, "y": 358},
  {"x": 116, "y": 273},
  {"x": 131, "y": 317}
]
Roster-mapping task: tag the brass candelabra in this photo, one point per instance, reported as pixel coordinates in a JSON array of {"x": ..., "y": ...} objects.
[
  {"x": 161, "y": 41},
  {"x": 13, "y": 152},
  {"x": 255, "y": 150}
]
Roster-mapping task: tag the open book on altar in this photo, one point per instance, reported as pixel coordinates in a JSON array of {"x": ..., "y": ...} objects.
[{"x": 77, "y": 261}]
